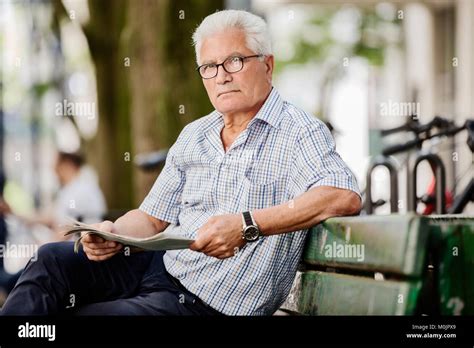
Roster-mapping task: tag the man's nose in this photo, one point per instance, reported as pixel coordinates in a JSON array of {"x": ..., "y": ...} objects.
[{"x": 222, "y": 76}]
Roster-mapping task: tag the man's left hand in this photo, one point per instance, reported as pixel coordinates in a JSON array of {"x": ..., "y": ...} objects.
[{"x": 220, "y": 236}]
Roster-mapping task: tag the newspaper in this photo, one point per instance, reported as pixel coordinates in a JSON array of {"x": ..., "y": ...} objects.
[{"x": 170, "y": 238}]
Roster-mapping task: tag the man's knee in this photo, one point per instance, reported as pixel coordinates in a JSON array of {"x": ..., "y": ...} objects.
[{"x": 56, "y": 250}]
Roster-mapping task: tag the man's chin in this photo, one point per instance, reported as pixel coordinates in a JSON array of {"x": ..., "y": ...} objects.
[{"x": 228, "y": 108}]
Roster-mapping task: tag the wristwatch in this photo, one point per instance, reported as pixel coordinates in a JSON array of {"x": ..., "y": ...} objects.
[{"x": 250, "y": 230}]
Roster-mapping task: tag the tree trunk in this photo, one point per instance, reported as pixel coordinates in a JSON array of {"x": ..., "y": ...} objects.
[
  {"x": 166, "y": 91},
  {"x": 147, "y": 86},
  {"x": 107, "y": 150}
]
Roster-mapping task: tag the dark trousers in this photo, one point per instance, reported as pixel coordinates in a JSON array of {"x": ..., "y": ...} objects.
[{"x": 60, "y": 281}]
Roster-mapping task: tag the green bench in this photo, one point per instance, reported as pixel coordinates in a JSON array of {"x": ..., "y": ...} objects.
[
  {"x": 386, "y": 265},
  {"x": 453, "y": 247}
]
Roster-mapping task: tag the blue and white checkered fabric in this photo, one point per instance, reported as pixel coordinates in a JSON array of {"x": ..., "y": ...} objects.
[{"x": 283, "y": 152}]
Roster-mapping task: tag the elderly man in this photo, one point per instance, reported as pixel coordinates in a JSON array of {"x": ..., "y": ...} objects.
[{"x": 245, "y": 181}]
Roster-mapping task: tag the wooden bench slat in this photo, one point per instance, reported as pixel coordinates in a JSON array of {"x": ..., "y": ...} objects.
[
  {"x": 391, "y": 244},
  {"x": 323, "y": 293},
  {"x": 454, "y": 241}
]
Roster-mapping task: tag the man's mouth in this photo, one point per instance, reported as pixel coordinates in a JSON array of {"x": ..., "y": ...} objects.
[{"x": 227, "y": 92}]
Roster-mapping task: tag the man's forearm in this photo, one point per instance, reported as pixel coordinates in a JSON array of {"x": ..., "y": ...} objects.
[
  {"x": 136, "y": 223},
  {"x": 307, "y": 210}
]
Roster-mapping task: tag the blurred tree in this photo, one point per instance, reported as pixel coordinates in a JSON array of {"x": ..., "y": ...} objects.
[
  {"x": 147, "y": 86},
  {"x": 166, "y": 91},
  {"x": 107, "y": 150}
]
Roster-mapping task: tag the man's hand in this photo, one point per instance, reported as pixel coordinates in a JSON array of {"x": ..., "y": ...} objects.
[
  {"x": 97, "y": 248},
  {"x": 220, "y": 236}
]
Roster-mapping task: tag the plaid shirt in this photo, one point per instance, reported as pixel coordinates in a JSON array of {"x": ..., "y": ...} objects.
[{"x": 282, "y": 153}]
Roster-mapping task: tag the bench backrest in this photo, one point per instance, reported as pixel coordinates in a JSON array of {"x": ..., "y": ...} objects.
[{"x": 379, "y": 265}]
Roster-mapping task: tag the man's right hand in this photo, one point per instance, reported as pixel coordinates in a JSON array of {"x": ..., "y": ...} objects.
[{"x": 97, "y": 248}]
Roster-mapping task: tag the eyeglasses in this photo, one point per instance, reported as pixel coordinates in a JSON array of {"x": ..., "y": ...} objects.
[{"x": 231, "y": 65}]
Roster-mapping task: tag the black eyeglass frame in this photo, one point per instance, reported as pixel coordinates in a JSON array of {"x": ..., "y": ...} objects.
[{"x": 198, "y": 69}]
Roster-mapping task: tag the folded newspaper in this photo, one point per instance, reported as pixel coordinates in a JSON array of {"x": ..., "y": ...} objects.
[{"x": 170, "y": 238}]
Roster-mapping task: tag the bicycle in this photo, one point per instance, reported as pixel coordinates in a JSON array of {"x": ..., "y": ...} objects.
[{"x": 434, "y": 199}]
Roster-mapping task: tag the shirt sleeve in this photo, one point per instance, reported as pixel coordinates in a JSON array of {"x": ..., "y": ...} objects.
[
  {"x": 164, "y": 199},
  {"x": 316, "y": 162}
]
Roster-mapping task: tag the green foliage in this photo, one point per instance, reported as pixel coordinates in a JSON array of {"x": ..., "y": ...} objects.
[
  {"x": 370, "y": 45},
  {"x": 320, "y": 41}
]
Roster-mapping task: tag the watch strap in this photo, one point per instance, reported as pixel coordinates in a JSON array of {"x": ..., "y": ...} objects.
[{"x": 248, "y": 220}]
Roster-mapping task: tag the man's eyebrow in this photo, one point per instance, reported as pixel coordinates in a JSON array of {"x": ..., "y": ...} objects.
[{"x": 230, "y": 55}]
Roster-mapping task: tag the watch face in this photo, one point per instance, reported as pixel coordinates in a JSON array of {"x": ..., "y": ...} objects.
[{"x": 251, "y": 233}]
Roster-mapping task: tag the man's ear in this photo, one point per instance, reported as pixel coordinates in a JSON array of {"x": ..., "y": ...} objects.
[{"x": 269, "y": 62}]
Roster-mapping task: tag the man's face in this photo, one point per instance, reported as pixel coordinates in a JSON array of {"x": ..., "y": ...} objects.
[
  {"x": 63, "y": 169},
  {"x": 241, "y": 91}
]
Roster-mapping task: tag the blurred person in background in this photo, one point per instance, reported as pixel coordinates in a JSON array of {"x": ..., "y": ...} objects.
[{"x": 79, "y": 197}]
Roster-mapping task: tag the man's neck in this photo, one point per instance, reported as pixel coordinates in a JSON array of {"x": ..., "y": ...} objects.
[{"x": 235, "y": 123}]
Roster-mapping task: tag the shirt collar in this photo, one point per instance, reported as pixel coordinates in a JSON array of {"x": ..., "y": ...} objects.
[{"x": 270, "y": 112}]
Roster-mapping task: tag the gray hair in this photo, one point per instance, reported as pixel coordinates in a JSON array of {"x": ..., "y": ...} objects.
[{"x": 254, "y": 27}]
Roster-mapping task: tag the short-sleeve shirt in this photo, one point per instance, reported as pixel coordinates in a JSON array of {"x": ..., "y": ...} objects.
[{"x": 283, "y": 152}]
